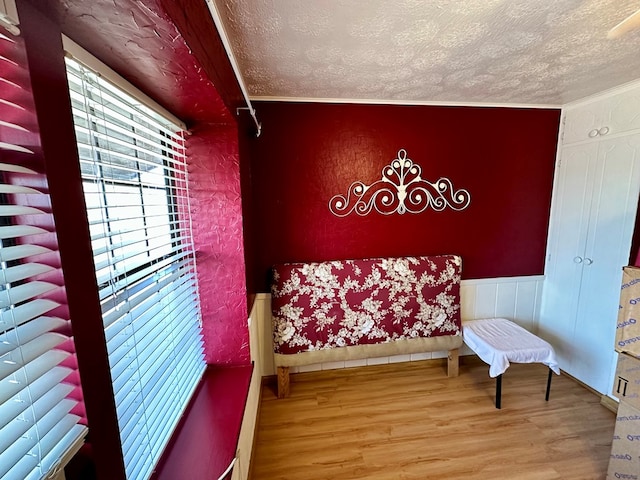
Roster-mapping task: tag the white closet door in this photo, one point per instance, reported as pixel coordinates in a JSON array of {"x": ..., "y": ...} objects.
[
  {"x": 599, "y": 119},
  {"x": 621, "y": 113},
  {"x": 611, "y": 223},
  {"x": 567, "y": 243},
  {"x": 583, "y": 122}
]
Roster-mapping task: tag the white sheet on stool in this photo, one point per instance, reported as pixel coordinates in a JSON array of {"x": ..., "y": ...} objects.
[{"x": 498, "y": 341}]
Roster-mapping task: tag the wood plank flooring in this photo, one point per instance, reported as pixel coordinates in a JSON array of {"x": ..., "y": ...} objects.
[{"x": 409, "y": 421}]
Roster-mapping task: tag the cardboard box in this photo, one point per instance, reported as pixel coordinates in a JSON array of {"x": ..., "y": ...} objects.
[
  {"x": 628, "y": 327},
  {"x": 624, "y": 462},
  {"x": 626, "y": 383}
]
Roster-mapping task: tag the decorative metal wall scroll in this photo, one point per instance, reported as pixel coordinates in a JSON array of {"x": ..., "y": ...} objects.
[{"x": 400, "y": 190}]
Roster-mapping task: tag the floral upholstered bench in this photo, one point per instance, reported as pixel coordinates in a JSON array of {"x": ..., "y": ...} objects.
[{"x": 354, "y": 309}]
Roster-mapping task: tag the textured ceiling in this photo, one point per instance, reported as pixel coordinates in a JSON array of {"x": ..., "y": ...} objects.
[{"x": 523, "y": 52}]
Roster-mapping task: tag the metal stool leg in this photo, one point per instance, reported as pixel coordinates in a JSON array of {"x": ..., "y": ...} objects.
[
  {"x": 546, "y": 397},
  {"x": 499, "y": 391}
]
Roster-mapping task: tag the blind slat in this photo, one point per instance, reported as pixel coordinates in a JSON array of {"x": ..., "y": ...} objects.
[
  {"x": 161, "y": 240},
  {"x": 13, "y": 125},
  {"x": 23, "y": 271},
  {"x": 15, "y": 317},
  {"x": 91, "y": 142},
  {"x": 15, "y": 231},
  {"x": 12, "y": 189},
  {"x": 23, "y": 421},
  {"x": 106, "y": 98},
  {"x": 21, "y": 445},
  {"x": 115, "y": 294},
  {"x": 14, "y": 148},
  {"x": 10, "y": 339},
  {"x": 21, "y": 293},
  {"x": 31, "y": 372},
  {"x": 112, "y": 289},
  {"x": 152, "y": 326},
  {"x": 111, "y": 315},
  {"x": 10, "y": 167},
  {"x": 27, "y": 352},
  {"x": 12, "y": 210},
  {"x": 46, "y": 383},
  {"x": 133, "y": 259},
  {"x": 20, "y": 252}
]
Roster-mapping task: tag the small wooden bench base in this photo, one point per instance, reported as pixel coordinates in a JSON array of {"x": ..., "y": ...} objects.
[
  {"x": 453, "y": 362},
  {"x": 283, "y": 382}
]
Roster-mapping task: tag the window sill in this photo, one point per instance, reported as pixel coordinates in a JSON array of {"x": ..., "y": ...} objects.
[{"x": 205, "y": 441}]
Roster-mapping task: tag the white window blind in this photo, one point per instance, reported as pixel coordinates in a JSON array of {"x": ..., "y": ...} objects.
[
  {"x": 135, "y": 184},
  {"x": 39, "y": 396}
]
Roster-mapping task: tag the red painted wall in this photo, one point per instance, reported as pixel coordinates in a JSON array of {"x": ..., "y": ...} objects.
[
  {"x": 311, "y": 152},
  {"x": 144, "y": 43},
  {"x": 214, "y": 186}
]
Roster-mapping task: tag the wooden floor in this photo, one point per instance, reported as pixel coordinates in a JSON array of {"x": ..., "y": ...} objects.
[{"x": 409, "y": 421}]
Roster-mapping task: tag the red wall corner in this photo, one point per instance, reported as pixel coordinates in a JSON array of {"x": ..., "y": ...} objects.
[{"x": 216, "y": 205}]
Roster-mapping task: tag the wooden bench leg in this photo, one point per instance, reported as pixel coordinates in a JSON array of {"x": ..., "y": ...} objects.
[
  {"x": 283, "y": 382},
  {"x": 453, "y": 363}
]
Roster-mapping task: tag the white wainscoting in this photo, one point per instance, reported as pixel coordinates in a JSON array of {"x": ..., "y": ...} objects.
[
  {"x": 247, "y": 429},
  {"x": 515, "y": 298}
]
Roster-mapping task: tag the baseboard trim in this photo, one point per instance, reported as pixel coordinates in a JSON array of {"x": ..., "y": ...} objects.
[
  {"x": 609, "y": 403},
  {"x": 254, "y": 440}
]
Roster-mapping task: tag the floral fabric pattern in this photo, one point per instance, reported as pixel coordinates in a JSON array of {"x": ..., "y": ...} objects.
[{"x": 325, "y": 305}]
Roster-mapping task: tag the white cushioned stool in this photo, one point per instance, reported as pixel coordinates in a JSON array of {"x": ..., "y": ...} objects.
[{"x": 498, "y": 341}]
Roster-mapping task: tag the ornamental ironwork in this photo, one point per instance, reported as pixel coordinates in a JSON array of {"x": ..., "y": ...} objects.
[{"x": 400, "y": 190}]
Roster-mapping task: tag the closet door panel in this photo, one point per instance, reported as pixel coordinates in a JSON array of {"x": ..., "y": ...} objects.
[
  {"x": 582, "y": 122},
  {"x": 567, "y": 242},
  {"x": 611, "y": 222},
  {"x": 621, "y": 113},
  {"x": 596, "y": 120}
]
